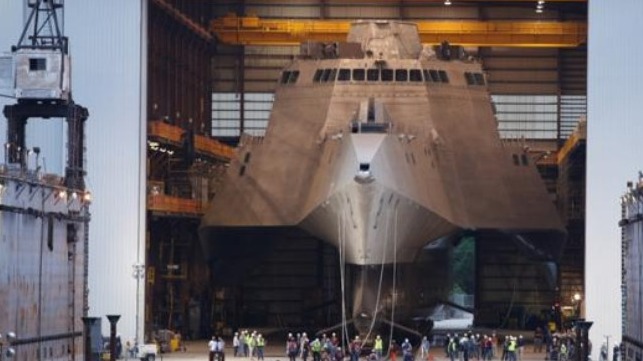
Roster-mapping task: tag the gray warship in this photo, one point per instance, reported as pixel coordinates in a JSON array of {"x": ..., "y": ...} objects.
[{"x": 383, "y": 148}]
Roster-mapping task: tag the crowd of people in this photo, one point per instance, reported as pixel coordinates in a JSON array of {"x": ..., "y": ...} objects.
[
  {"x": 321, "y": 348},
  {"x": 464, "y": 347}
]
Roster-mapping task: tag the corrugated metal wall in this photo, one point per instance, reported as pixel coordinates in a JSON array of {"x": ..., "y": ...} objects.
[
  {"x": 105, "y": 40},
  {"x": 42, "y": 270},
  {"x": 632, "y": 243},
  {"x": 614, "y": 154}
]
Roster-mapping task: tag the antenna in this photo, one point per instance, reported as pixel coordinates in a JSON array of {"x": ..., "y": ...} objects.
[
  {"x": 41, "y": 64},
  {"x": 43, "y": 30},
  {"x": 41, "y": 69}
]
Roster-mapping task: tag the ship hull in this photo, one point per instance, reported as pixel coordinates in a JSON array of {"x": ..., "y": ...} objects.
[
  {"x": 43, "y": 269},
  {"x": 369, "y": 215}
]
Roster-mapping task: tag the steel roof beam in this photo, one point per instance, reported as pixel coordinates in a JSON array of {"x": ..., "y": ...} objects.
[{"x": 257, "y": 31}]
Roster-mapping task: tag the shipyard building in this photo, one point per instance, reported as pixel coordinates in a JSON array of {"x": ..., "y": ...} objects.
[{"x": 181, "y": 95}]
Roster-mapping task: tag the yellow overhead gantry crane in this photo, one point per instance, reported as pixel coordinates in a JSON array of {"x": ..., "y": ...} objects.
[{"x": 252, "y": 30}]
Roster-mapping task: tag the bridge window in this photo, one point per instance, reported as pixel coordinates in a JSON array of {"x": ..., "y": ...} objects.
[
  {"x": 415, "y": 75},
  {"x": 401, "y": 75},
  {"x": 325, "y": 75},
  {"x": 344, "y": 75},
  {"x": 373, "y": 74},
  {"x": 434, "y": 76},
  {"x": 479, "y": 78},
  {"x": 443, "y": 76},
  {"x": 398, "y": 75},
  {"x": 470, "y": 79},
  {"x": 333, "y": 75},
  {"x": 474, "y": 78},
  {"x": 284, "y": 77},
  {"x": 359, "y": 74},
  {"x": 289, "y": 77},
  {"x": 293, "y": 77},
  {"x": 387, "y": 74}
]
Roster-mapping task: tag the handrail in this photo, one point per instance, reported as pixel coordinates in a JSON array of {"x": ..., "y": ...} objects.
[
  {"x": 202, "y": 144},
  {"x": 169, "y": 204}
]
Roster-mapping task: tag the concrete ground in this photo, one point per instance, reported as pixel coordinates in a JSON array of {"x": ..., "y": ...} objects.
[{"x": 198, "y": 350}]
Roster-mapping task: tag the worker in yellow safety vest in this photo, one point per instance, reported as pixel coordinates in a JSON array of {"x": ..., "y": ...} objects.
[
  {"x": 316, "y": 348},
  {"x": 379, "y": 347},
  {"x": 511, "y": 348},
  {"x": 261, "y": 343}
]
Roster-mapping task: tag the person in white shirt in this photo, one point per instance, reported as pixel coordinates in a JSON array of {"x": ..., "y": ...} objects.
[
  {"x": 235, "y": 344},
  {"x": 216, "y": 347},
  {"x": 212, "y": 347}
]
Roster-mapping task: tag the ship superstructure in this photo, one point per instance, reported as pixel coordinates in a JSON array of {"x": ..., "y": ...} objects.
[{"x": 382, "y": 147}]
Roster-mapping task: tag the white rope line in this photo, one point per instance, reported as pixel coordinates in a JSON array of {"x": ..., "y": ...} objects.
[
  {"x": 379, "y": 286},
  {"x": 394, "y": 290},
  {"x": 341, "y": 271},
  {"x": 343, "y": 232}
]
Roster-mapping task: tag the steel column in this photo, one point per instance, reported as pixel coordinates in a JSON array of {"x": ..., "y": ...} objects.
[
  {"x": 74, "y": 114},
  {"x": 113, "y": 319},
  {"x": 88, "y": 322}
]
